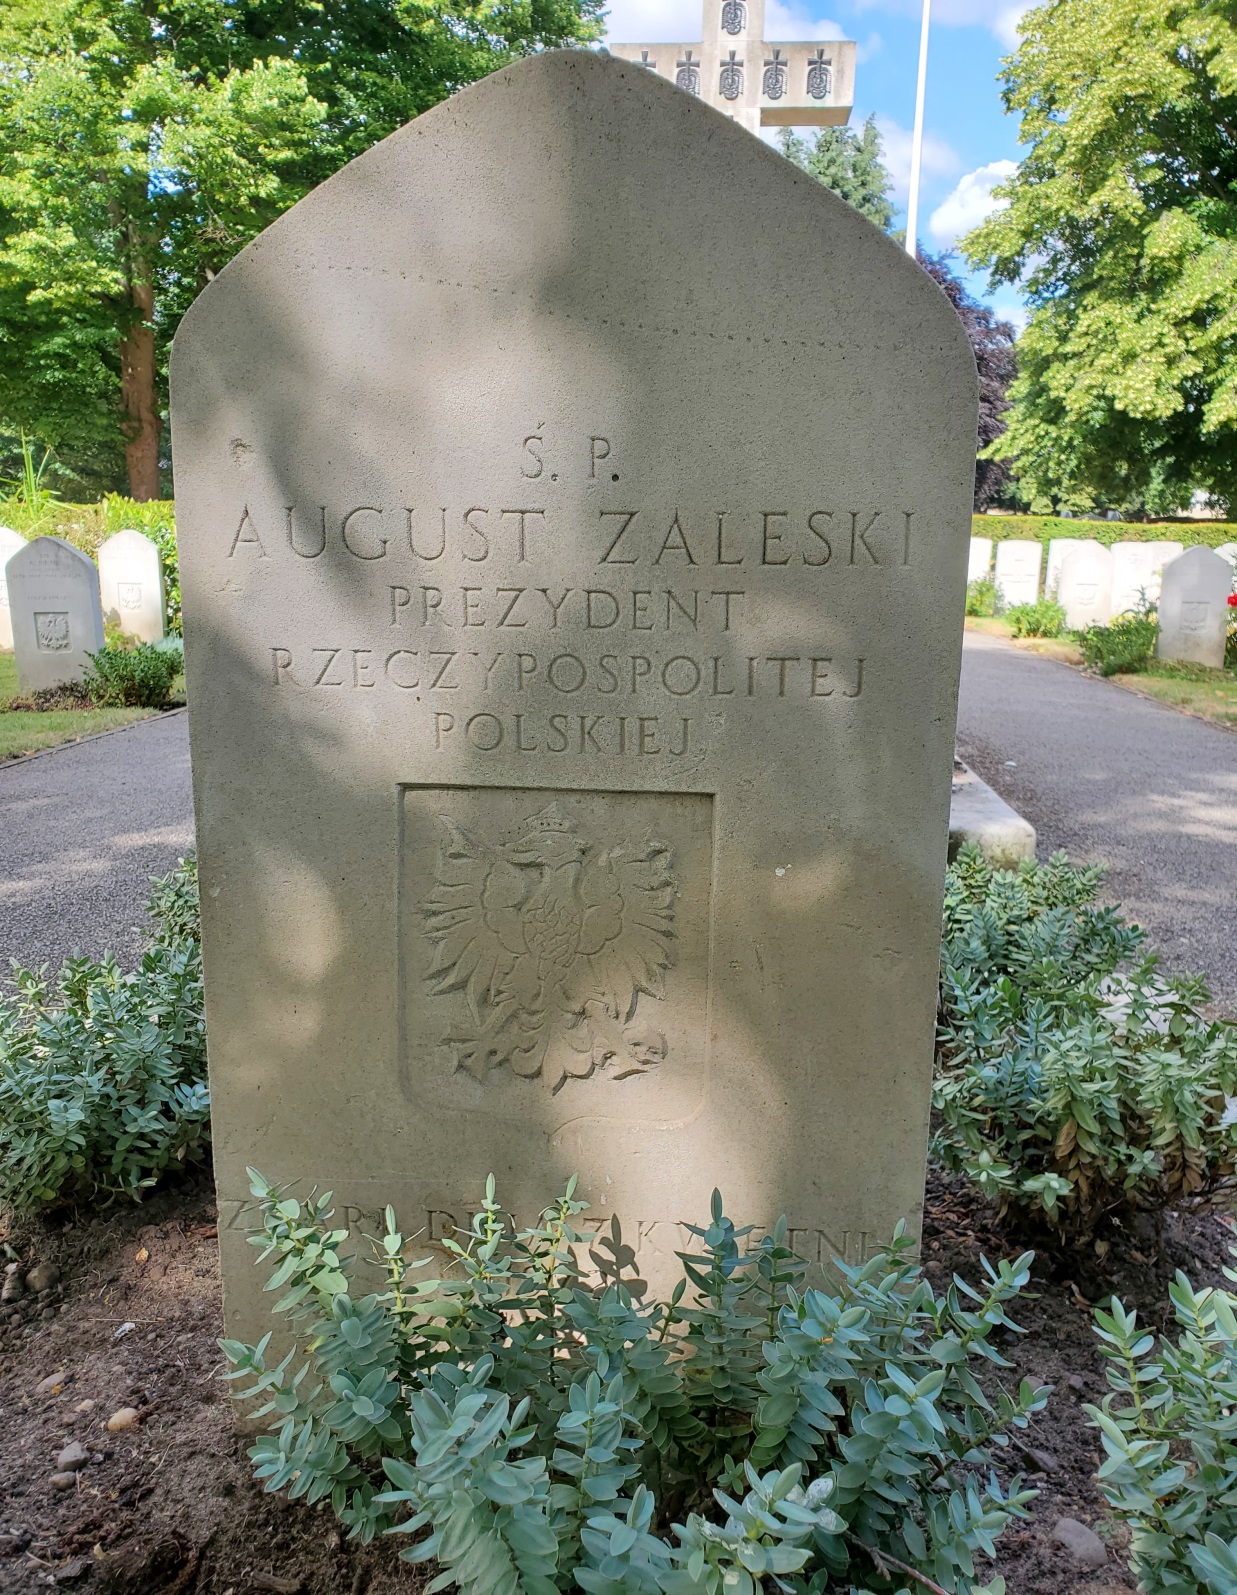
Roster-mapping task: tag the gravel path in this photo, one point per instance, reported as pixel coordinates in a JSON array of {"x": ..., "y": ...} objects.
[
  {"x": 82, "y": 830},
  {"x": 1115, "y": 779}
]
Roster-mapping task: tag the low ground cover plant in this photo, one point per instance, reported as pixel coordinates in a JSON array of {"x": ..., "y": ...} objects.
[
  {"x": 1075, "y": 1084},
  {"x": 1044, "y": 618},
  {"x": 103, "y": 1073},
  {"x": 538, "y": 1429},
  {"x": 1122, "y": 648},
  {"x": 1169, "y": 1430},
  {"x": 131, "y": 678}
]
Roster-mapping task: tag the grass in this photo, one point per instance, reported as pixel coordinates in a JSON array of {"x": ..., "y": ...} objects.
[
  {"x": 27, "y": 731},
  {"x": 1210, "y": 693},
  {"x": 1062, "y": 648}
]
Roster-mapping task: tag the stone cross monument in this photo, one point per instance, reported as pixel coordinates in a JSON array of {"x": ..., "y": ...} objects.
[{"x": 758, "y": 84}]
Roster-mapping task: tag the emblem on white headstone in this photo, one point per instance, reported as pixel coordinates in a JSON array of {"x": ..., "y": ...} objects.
[
  {"x": 129, "y": 595},
  {"x": 687, "y": 74},
  {"x": 819, "y": 77},
  {"x": 730, "y": 83},
  {"x": 51, "y": 630},
  {"x": 775, "y": 77},
  {"x": 734, "y": 17},
  {"x": 551, "y": 936},
  {"x": 1194, "y": 614}
]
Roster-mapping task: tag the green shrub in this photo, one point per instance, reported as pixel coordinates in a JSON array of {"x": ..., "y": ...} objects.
[
  {"x": 134, "y": 678},
  {"x": 103, "y": 1074},
  {"x": 1071, "y": 1092},
  {"x": 1122, "y": 648},
  {"x": 1169, "y": 1430},
  {"x": 981, "y": 597},
  {"x": 1044, "y": 618},
  {"x": 544, "y": 1434}
]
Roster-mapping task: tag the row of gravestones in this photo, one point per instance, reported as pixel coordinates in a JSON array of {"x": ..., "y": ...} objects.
[
  {"x": 54, "y": 600},
  {"x": 1094, "y": 584}
]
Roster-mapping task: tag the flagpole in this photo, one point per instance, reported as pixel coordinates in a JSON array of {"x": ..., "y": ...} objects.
[{"x": 912, "y": 208}]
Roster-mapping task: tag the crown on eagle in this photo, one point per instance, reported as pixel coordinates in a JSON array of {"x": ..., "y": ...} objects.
[{"x": 550, "y": 818}]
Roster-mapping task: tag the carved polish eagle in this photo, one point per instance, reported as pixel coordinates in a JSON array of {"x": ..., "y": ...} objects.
[{"x": 550, "y": 934}]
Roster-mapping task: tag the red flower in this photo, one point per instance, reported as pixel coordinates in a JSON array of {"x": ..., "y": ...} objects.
[{"x": 1232, "y": 600}]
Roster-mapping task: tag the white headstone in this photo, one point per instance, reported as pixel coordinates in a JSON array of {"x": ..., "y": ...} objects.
[
  {"x": 131, "y": 585},
  {"x": 56, "y": 613},
  {"x": 1058, "y": 547},
  {"x": 1017, "y": 571},
  {"x": 1136, "y": 569},
  {"x": 979, "y": 562},
  {"x": 1194, "y": 608},
  {"x": 10, "y": 542},
  {"x": 1085, "y": 588},
  {"x": 1228, "y": 551}
]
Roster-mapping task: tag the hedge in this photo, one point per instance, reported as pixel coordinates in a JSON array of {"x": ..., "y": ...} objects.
[{"x": 1043, "y": 528}]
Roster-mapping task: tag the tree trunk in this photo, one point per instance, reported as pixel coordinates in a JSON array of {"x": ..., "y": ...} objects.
[{"x": 137, "y": 391}]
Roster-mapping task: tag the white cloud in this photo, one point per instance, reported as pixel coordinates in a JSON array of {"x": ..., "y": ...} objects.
[
  {"x": 652, "y": 21},
  {"x": 1014, "y": 312},
  {"x": 865, "y": 49},
  {"x": 787, "y": 19},
  {"x": 970, "y": 202},
  {"x": 1006, "y": 25},
  {"x": 939, "y": 158},
  {"x": 1002, "y": 20}
]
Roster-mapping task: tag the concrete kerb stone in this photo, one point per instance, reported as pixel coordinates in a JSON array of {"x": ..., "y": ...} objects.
[{"x": 980, "y": 815}]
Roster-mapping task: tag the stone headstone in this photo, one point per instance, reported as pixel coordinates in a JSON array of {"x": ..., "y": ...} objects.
[
  {"x": 10, "y": 542},
  {"x": 1085, "y": 588},
  {"x": 131, "y": 584},
  {"x": 55, "y": 610},
  {"x": 1228, "y": 551},
  {"x": 979, "y": 562},
  {"x": 1058, "y": 547},
  {"x": 566, "y": 802},
  {"x": 1136, "y": 570},
  {"x": 1194, "y": 609},
  {"x": 1017, "y": 571}
]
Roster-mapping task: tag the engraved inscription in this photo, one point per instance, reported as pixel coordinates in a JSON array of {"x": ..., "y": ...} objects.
[
  {"x": 548, "y": 934},
  {"x": 51, "y": 630}
]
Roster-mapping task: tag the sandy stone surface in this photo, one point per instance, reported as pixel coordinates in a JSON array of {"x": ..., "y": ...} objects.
[{"x": 567, "y": 801}]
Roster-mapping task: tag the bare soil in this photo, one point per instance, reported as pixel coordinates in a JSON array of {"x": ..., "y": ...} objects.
[{"x": 168, "y": 1506}]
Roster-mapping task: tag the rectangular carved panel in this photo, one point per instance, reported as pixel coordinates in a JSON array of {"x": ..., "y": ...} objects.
[{"x": 554, "y": 952}]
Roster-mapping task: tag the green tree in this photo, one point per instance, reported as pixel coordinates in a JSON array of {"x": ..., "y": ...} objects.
[
  {"x": 848, "y": 161},
  {"x": 144, "y": 142},
  {"x": 1121, "y": 222}
]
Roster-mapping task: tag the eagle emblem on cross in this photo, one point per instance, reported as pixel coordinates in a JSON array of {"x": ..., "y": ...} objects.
[{"x": 551, "y": 937}]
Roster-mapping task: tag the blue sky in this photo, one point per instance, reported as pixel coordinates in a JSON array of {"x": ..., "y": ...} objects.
[{"x": 969, "y": 141}]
